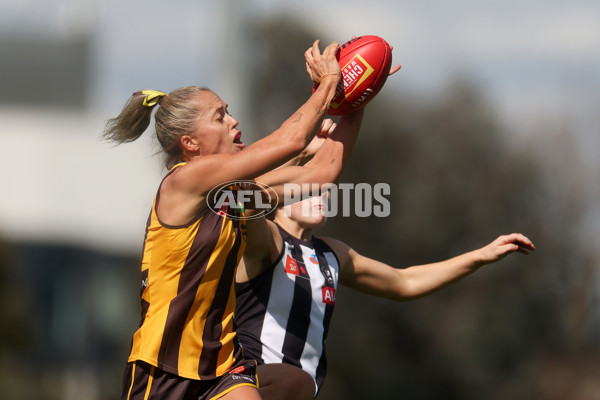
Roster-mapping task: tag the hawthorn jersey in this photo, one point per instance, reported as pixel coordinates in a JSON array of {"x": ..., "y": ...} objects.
[
  {"x": 187, "y": 295},
  {"x": 283, "y": 314}
]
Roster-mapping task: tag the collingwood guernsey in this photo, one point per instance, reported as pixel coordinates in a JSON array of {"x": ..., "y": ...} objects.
[{"x": 275, "y": 309}]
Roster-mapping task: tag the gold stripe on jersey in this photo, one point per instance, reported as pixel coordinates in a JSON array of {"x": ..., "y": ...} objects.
[
  {"x": 229, "y": 334},
  {"x": 189, "y": 298}
]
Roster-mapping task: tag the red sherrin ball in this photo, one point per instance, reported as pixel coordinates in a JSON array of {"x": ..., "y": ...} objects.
[{"x": 365, "y": 62}]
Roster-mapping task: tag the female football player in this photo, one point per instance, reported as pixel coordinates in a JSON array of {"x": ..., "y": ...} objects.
[
  {"x": 186, "y": 346},
  {"x": 286, "y": 285}
]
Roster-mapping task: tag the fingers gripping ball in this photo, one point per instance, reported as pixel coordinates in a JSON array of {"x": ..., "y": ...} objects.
[{"x": 365, "y": 62}]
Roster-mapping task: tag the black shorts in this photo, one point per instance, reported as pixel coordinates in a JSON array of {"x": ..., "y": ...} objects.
[{"x": 144, "y": 381}]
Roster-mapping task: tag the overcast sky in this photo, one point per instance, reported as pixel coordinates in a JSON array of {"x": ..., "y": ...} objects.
[{"x": 532, "y": 58}]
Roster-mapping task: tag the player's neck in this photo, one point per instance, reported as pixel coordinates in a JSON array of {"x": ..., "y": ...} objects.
[{"x": 297, "y": 230}]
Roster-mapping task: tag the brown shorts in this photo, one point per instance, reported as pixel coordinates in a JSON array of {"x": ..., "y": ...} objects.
[{"x": 144, "y": 381}]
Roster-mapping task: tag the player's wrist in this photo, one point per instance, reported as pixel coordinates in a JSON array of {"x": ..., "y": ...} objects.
[
  {"x": 332, "y": 78},
  {"x": 478, "y": 258}
]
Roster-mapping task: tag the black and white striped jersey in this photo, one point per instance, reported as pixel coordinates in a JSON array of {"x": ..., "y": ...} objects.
[{"x": 283, "y": 314}]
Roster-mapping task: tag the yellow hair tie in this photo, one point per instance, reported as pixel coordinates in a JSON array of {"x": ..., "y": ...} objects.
[{"x": 152, "y": 97}]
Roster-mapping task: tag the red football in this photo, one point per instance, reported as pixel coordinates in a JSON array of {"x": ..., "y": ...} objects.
[{"x": 365, "y": 62}]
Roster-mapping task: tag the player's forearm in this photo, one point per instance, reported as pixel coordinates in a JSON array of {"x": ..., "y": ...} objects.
[
  {"x": 421, "y": 280},
  {"x": 297, "y": 182},
  {"x": 303, "y": 124},
  {"x": 300, "y": 160},
  {"x": 294, "y": 134},
  {"x": 324, "y": 168},
  {"x": 330, "y": 159},
  {"x": 347, "y": 131}
]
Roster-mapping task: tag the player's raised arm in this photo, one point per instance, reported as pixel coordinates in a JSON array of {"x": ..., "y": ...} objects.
[
  {"x": 323, "y": 160},
  {"x": 379, "y": 279}
]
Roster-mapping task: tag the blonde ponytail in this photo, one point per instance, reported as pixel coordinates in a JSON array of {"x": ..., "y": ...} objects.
[
  {"x": 176, "y": 116},
  {"x": 134, "y": 119}
]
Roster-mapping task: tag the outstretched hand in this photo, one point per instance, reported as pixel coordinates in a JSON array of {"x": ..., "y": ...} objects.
[{"x": 504, "y": 245}]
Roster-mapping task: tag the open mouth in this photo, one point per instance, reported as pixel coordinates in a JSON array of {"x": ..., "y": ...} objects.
[{"x": 238, "y": 140}]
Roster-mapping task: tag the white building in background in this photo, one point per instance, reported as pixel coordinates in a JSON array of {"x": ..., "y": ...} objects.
[{"x": 68, "y": 65}]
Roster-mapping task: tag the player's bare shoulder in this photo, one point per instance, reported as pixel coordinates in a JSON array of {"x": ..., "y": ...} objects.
[{"x": 341, "y": 250}]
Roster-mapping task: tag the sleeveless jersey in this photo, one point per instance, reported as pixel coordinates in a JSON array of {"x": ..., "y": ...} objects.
[
  {"x": 187, "y": 295},
  {"x": 283, "y": 314}
]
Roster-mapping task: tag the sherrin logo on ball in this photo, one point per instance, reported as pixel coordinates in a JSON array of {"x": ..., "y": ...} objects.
[{"x": 365, "y": 62}]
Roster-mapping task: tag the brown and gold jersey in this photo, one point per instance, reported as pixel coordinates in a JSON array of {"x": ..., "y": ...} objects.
[{"x": 188, "y": 297}]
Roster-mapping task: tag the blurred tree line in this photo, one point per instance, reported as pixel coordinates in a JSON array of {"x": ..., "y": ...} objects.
[{"x": 522, "y": 328}]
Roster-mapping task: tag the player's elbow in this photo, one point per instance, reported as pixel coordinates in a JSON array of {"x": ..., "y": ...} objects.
[{"x": 402, "y": 288}]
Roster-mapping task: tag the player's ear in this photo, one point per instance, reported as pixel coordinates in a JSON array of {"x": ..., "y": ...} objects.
[{"x": 189, "y": 143}]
